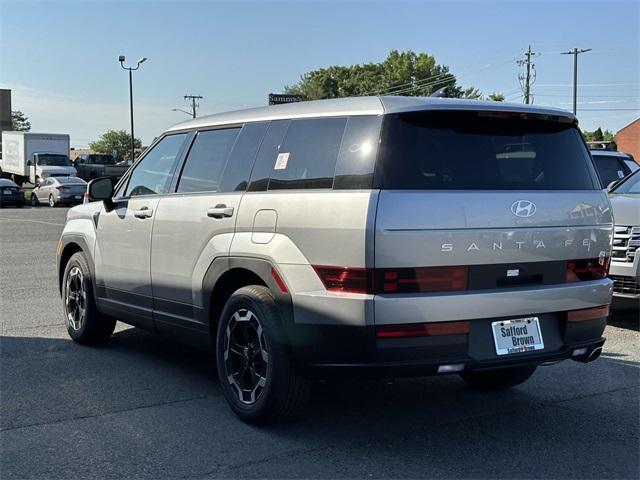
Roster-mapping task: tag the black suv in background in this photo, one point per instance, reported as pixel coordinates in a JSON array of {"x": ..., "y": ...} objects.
[{"x": 613, "y": 166}]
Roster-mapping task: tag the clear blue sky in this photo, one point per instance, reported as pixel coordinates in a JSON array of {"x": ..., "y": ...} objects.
[{"x": 60, "y": 58}]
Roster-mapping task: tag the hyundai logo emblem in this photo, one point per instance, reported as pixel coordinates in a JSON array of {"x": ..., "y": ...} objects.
[{"x": 523, "y": 208}]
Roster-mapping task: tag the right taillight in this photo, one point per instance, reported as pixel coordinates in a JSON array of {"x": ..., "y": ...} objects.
[{"x": 587, "y": 269}]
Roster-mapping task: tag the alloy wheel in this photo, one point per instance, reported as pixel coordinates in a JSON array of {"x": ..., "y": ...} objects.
[
  {"x": 245, "y": 356},
  {"x": 75, "y": 298}
]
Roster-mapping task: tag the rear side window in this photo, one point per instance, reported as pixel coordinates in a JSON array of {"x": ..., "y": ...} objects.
[
  {"x": 267, "y": 155},
  {"x": 482, "y": 151},
  {"x": 609, "y": 168},
  {"x": 358, "y": 153},
  {"x": 307, "y": 158},
  {"x": 206, "y": 160}
]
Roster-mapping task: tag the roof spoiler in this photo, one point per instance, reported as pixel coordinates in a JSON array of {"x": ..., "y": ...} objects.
[{"x": 440, "y": 93}]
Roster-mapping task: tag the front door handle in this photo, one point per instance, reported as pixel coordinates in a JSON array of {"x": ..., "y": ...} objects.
[
  {"x": 220, "y": 211},
  {"x": 144, "y": 212}
]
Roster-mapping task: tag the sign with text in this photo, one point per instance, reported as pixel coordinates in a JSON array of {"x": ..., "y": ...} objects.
[{"x": 279, "y": 98}]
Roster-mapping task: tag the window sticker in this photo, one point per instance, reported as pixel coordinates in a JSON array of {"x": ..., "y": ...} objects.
[{"x": 281, "y": 161}]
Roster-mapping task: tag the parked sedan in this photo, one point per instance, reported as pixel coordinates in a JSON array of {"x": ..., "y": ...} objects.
[
  {"x": 59, "y": 191},
  {"x": 10, "y": 194}
]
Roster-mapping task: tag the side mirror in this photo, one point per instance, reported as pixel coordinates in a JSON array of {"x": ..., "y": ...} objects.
[
  {"x": 101, "y": 189},
  {"x": 29, "y": 163}
]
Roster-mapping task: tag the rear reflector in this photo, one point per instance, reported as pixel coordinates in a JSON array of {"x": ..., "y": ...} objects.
[
  {"x": 587, "y": 314},
  {"x": 587, "y": 269},
  {"x": 422, "y": 329},
  {"x": 278, "y": 279},
  {"x": 393, "y": 280}
]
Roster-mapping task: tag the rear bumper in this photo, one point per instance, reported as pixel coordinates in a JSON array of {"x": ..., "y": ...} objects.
[{"x": 356, "y": 352}]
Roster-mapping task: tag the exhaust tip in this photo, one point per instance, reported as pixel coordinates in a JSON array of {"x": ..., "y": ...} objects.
[{"x": 594, "y": 354}]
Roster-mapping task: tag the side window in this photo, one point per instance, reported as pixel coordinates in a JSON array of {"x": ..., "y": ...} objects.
[
  {"x": 206, "y": 160},
  {"x": 307, "y": 158},
  {"x": 154, "y": 173},
  {"x": 267, "y": 155},
  {"x": 236, "y": 173},
  {"x": 358, "y": 153}
]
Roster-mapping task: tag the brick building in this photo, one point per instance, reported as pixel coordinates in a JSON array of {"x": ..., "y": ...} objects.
[{"x": 628, "y": 139}]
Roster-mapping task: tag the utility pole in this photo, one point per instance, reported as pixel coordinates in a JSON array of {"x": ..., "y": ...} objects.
[
  {"x": 529, "y": 71},
  {"x": 194, "y": 104},
  {"x": 575, "y": 53}
]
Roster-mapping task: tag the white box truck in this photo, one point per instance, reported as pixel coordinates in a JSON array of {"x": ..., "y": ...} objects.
[{"x": 32, "y": 157}]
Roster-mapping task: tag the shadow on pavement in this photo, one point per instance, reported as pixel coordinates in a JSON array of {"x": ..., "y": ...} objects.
[{"x": 139, "y": 386}]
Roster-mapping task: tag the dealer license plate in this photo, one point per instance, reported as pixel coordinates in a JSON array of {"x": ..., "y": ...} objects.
[
  {"x": 78, "y": 197},
  {"x": 8, "y": 192},
  {"x": 517, "y": 336}
]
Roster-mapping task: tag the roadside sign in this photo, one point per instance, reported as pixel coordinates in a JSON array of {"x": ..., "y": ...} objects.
[{"x": 279, "y": 98}]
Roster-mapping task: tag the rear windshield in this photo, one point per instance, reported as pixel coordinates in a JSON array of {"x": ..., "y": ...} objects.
[
  {"x": 54, "y": 160},
  {"x": 101, "y": 159},
  {"x": 70, "y": 180},
  {"x": 482, "y": 151}
]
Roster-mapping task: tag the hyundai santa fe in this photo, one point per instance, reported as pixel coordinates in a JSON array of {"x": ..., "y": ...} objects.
[{"x": 362, "y": 237}]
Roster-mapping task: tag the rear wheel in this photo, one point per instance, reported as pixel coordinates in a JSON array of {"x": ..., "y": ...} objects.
[
  {"x": 499, "y": 379},
  {"x": 52, "y": 200},
  {"x": 84, "y": 323},
  {"x": 258, "y": 376}
]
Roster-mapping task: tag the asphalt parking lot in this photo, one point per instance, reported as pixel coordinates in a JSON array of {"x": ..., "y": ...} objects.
[{"x": 140, "y": 407}]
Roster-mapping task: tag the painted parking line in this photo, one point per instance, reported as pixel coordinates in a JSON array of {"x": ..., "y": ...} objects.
[{"x": 32, "y": 221}]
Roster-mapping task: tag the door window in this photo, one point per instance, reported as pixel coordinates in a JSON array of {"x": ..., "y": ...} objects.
[
  {"x": 609, "y": 169},
  {"x": 206, "y": 160},
  {"x": 236, "y": 173},
  {"x": 154, "y": 173}
]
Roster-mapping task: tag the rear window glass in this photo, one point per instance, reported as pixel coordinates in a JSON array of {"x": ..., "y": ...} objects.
[
  {"x": 307, "y": 157},
  {"x": 609, "y": 169},
  {"x": 479, "y": 151}
]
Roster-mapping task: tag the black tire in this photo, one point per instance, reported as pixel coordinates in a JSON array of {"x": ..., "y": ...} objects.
[
  {"x": 94, "y": 328},
  {"x": 52, "y": 200},
  {"x": 34, "y": 200},
  {"x": 285, "y": 392},
  {"x": 499, "y": 379}
]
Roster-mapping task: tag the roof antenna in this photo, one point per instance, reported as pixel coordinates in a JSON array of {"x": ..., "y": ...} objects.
[{"x": 440, "y": 93}]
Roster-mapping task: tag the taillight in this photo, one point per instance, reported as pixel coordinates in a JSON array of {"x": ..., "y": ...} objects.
[
  {"x": 345, "y": 279},
  {"x": 62, "y": 187},
  {"x": 85, "y": 198},
  {"x": 587, "y": 269},
  {"x": 422, "y": 279},
  {"x": 393, "y": 280}
]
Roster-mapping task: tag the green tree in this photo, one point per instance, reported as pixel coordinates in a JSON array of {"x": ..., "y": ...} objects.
[
  {"x": 401, "y": 73},
  {"x": 599, "y": 135},
  {"x": 19, "y": 121},
  {"x": 118, "y": 141},
  {"x": 496, "y": 97}
]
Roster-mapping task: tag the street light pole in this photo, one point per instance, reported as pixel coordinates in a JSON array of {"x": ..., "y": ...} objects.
[
  {"x": 575, "y": 53},
  {"x": 121, "y": 59}
]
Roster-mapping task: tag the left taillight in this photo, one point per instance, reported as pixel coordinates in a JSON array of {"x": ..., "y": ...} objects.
[
  {"x": 393, "y": 280},
  {"x": 587, "y": 269}
]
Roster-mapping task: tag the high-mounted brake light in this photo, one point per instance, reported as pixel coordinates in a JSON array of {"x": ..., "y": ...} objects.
[{"x": 587, "y": 269}]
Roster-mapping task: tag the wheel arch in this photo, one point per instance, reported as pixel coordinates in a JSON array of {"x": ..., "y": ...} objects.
[
  {"x": 226, "y": 275},
  {"x": 69, "y": 246}
]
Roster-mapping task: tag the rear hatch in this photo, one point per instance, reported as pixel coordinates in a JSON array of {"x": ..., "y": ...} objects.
[{"x": 508, "y": 199}]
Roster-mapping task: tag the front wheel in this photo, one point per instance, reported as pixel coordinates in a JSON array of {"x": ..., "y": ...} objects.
[
  {"x": 84, "y": 323},
  {"x": 257, "y": 373},
  {"x": 499, "y": 379},
  {"x": 34, "y": 200}
]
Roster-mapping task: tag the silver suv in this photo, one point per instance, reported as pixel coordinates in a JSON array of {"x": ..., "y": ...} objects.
[{"x": 372, "y": 236}]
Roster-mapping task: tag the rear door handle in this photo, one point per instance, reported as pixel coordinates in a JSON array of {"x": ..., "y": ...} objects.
[
  {"x": 144, "y": 212},
  {"x": 220, "y": 211}
]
